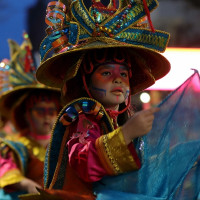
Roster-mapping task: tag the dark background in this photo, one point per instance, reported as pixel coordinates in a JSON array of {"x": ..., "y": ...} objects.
[{"x": 178, "y": 17}]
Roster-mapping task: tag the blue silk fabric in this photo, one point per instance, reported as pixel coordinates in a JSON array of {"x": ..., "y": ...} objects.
[
  {"x": 10, "y": 196},
  {"x": 169, "y": 153}
]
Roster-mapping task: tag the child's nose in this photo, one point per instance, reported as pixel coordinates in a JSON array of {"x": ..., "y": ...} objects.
[{"x": 117, "y": 80}]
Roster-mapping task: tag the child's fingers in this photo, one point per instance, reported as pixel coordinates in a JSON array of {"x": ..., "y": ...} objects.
[
  {"x": 150, "y": 111},
  {"x": 153, "y": 110}
]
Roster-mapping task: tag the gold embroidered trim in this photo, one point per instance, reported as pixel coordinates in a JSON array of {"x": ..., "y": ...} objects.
[
  {"x": 134, "y": 12},
  {"x": 116, "y": 152},
  {"x": 63, "y": 145},
  {"x": 11, "y": 177},
  {"x": 36, "y": 149},
  {"x": 145, "y": 38},
  {"x": 78, "y": 8},
  {"x": 103, "y": 158}
]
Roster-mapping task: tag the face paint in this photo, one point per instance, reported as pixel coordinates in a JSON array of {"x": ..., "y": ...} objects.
[
  {"x": 110, "y": 84},
  {"x": 127, "y": 94},
  {"x": 42, "y": 117},
  {"x": 41, "y": 112},
  {"x": 101, "y": 92},
  {"x": 113, "y": 71}
]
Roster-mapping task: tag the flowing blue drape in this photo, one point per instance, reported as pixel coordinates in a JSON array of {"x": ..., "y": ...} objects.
[{"x": 169, "y": 153}]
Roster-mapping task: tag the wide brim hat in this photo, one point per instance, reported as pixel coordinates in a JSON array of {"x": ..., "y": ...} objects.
[
  {"x": 12, "y": 103},
  {"x": 144, "y": 45},
  {"x": 18, "y": 81},
  {"x": 55, "y": 70},
  {"x": 9, "y": 99}
]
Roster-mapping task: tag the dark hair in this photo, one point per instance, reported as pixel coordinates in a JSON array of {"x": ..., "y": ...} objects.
[
  {"x": 27, "y": 101},
  {"x": 93, "y": 59},
  {"x": 68, "y": 94},
  {"x": 78, "y": 91}
]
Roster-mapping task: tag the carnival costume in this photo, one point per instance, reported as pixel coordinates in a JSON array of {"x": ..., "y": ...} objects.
[
  {"x": 95, "y": 144},
  {"x": 20, "y": 156},
  {"x": 97, "y": 164},
  {"x": 168, "y": 155}
]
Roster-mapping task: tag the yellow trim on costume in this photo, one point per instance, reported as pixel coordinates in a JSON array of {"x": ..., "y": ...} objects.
[
  {"x": 31, "y": 197},
  {"x": 36, "y": 149},
  {"x": 112, "y": 148},
  {"x": 11, "y": 177}
]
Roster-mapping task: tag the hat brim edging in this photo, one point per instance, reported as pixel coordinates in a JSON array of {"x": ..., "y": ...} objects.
[
  {"x": 62, "y": 66},
  {"x": 9, "y": 98}
]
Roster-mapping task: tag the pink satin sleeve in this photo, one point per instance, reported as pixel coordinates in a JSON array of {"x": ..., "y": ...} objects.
[
  {"x": 83, "y": 156},
  {"x": 7, "y": 163}
]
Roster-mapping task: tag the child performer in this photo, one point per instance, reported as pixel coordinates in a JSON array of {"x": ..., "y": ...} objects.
[
  {"x": 103, "y": 56},
  {"x": 32, "y": 108}
]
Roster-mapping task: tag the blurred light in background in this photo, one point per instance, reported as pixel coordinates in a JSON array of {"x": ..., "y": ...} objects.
[
  {"x": 145, "y": 97},
  {"x": 2, "y": 64},
  {"x": 182, "y": 61}
]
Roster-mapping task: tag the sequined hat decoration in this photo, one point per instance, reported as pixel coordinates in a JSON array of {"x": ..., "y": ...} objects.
[
  {"x": 18, "y": 79},
  {"x": 77, "y": 26},
  {"x": 20, "y": 70},
  {"x": 122, "y": 22}
]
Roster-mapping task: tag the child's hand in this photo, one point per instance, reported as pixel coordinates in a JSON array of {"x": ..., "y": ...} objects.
[
  {"x": 27, "y": 185},
  {"x": 138, "y": 125}
]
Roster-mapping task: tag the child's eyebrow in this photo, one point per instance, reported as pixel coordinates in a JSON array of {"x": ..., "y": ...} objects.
[
  {"x": 124, "y": 67},
  {"x": 111, "y": 66}
]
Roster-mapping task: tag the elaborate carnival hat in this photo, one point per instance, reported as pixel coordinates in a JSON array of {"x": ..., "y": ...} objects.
[
  {"x": 18, "y": 81},
  {"x": 78, "y": 26}
]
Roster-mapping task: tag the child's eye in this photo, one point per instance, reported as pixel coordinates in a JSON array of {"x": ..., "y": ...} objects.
[
  {"x": 106, "y": 73},
  {"x": 124, "y": 74}
]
